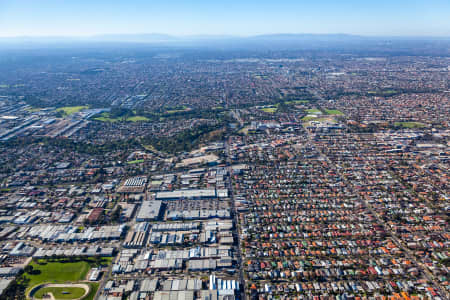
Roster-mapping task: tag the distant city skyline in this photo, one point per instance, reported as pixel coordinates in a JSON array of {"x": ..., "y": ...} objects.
[{"x": 241, "y": 18}]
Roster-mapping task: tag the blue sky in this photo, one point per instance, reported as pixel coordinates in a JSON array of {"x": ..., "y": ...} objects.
[{"x": 233, "y": 17}]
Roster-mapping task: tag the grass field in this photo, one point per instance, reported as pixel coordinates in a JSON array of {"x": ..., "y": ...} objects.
[
  {"x": 174, "y": 111},
  {"x": 137, "y": 161},
  {"x": 177, "y": 110},
  {"x": 149, "y": 148},
  {"x": 297, "y": 102},
  {"x": 106, "y": 117},
  {"x": 387, "y": 92},
  {"x": 61, "y": 271},
  {"x": 57, "y": 272},
  {"x": 244, "y": 130},
  {"x": 333, "y": 112},
  {"x": 270, "y": 110},
  {"x": 93, "y": 291},
  {"x": 69, "y": 110},
  {"x": 409, "y": 124},
  {"x": 313, "y": 111},
  {"x": 308, "y": 118},
  {"x": 61, "y": 292},
  {"x": 137, "y": 119}
]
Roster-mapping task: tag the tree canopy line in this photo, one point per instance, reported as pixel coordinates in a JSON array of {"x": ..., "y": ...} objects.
[
  {"x": 166, "y": 113},
  {"x": 186, "y": 140},
  {"x": 80, "y": 147}
]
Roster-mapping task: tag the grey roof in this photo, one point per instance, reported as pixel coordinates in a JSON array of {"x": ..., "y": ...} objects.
[
  {"x": 178, "y": 194},
  {"x": 149, "y": 210}
]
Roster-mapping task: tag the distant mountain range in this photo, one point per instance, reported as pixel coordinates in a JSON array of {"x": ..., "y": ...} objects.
[
  {"x": 339, "y": 43},
  {"x": 165, "y": 38}
]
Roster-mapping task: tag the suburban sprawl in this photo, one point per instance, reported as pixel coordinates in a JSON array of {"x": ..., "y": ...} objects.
[{"x": 154, "y": 173}]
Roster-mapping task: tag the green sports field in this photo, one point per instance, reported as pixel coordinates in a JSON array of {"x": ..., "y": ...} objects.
[
  {"x": 61, "y": 292},
  {"x": 137, "y": 119},
  {"x": 297, "y": 102},
  {"x": 333, "y": 112},
  {"x": 270, "y": 110},
  {"x": 308, "y": 118},
  {"x": 63, "y": 271},
  {"x": 69, "y": 110},
  {"x": 106, "y": 117},
  {"x": 133, "y": 162},
  {"x": 69, "y": 292},
  {"x": 313, "y": 111},
  {"x": 57, "y": 272},
  {"x": 409, "y": 124}
]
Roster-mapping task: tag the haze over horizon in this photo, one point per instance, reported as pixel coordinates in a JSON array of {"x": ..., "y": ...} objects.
[{"x": 51, "y": 18}]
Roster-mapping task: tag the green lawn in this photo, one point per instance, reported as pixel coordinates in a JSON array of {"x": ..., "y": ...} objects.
[
  {"x": 137, "y": 119},
  {"x": 69, "y": 110},
  {"x": 57, "y": 272},
  {"x": 313, "y": 111},
  {"x": 390, "y": 92},
  {"x": 106, "y": 117},
  {"x": 333, "y": 112},
  {"x": 61, "y": 271},
  {"x": 244, "y": 130},
  {"x": 322, "y": 119},
  {"x": 308, "y": 118},
  {"x": 270, "y": 110},
  {"x": 137, "y": 161},
  {"x": 409, "y": 124},
  {"x": 297, "y": 102},
  {"x": 174, "y": 111},
  {"x": 93, "y": 291},
  {"x": 61, "y": 292}
]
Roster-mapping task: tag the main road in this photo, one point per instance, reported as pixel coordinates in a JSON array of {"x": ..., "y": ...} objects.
[{"x": 236, "y": 221}]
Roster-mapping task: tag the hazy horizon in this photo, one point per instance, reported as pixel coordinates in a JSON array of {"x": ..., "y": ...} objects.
[
  {"x": 213, "y": 35},
  {"x": 82, "y": 19}
]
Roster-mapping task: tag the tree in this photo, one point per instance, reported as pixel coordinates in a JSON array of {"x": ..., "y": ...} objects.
[
  {"x": 28, "y": 269},
  {"x": 115, "y": 216}
]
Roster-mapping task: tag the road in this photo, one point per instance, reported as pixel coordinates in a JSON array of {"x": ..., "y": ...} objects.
[
  {"x": 108, "y": 272},
  {"x": 236, "y": 222}
]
